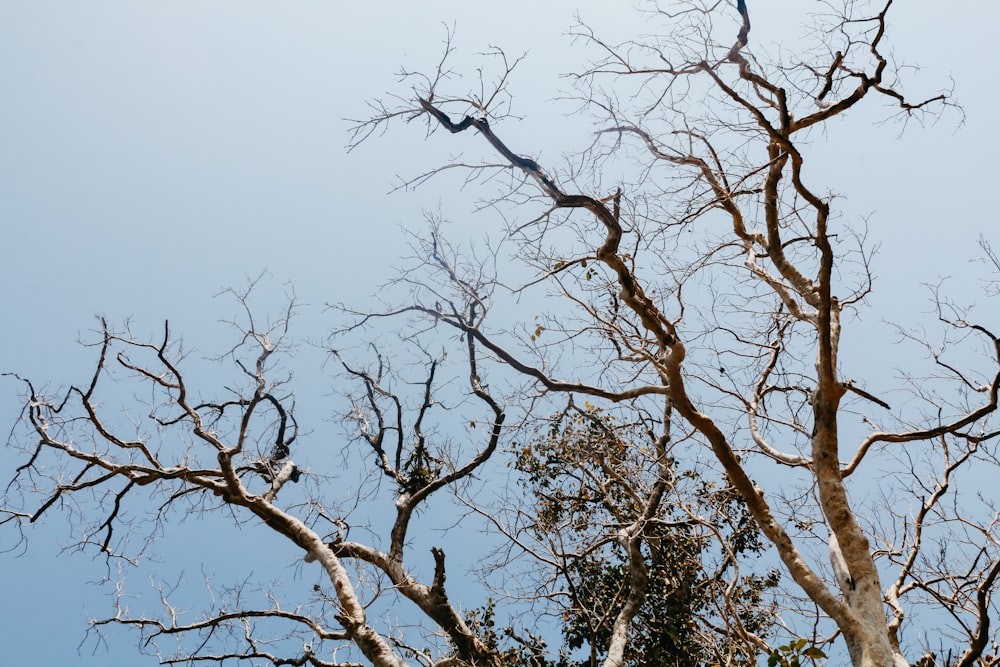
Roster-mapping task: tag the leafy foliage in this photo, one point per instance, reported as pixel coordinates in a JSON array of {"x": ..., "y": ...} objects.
[
  {"x": 791, "y": 654},
  {"x": 588, "y": 475}
]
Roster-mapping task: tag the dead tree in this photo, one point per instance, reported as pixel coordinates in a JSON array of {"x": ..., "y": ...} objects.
[
  {"x": 716, "y": 281},
  {"x": 232, "y": 456}
]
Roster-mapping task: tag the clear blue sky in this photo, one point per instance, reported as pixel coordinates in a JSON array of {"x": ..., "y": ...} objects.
[{"x": 154, "y": 152}]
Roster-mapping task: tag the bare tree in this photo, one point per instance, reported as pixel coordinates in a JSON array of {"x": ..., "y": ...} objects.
[
  {"x": 697, "y": 300},
  {"x": 737, "y": 328},
  {"x": 232, "y": 455}
]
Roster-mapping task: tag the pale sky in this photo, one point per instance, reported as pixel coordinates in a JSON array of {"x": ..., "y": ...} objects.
[{"x": 152, "y": 153}]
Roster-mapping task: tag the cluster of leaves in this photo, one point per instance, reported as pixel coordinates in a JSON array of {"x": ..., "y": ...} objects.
[
  {"x": 792, "y": 653},
  {"x": 511, "y": 648},
  {"x": 589, "y": 477}
]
